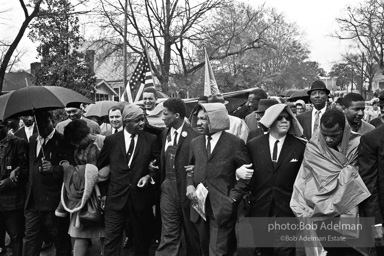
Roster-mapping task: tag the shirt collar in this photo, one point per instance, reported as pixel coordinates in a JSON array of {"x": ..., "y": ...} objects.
[
  {"x": 272, "y": 140},
  {"x": 173, "y": 130},
  {"x": 48, "y": 137},
  {"x": 30, "y": 127},
  {"x": 321, "y": 110},
  {"x": 215, "y": 136}
]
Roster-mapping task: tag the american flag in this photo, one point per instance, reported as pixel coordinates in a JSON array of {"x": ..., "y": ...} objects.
[{"x": 140, "y": 79}]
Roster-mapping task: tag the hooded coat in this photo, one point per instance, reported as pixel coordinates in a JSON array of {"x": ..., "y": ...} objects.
[{"x": 218, "y": 171}]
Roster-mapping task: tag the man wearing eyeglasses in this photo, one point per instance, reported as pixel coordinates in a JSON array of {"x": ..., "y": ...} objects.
[{"x": 276, "y": 158}]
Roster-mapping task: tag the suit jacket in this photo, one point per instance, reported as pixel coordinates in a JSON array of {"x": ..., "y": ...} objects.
[
  {"x": 371, "y": 170},
  {"x": 305, "y": 120},
  {"x": 255, "y": 133},
  {"x": 15, "y": 155},
  {"x": 45, "y": 188},
  {"x": 123, "y": 180},
  {"x": 21, "y": 133},
  {"x": 181, "y": 158},
  {"x": 251, "y": 122},
  {"x": 218, "y": 173},
  {"x": 273, "y": 182}
]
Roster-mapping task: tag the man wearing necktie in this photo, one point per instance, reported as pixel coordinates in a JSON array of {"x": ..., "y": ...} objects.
[
  {"x": 46, "y": 150},
  {"x": 276, "y": 158},
  {"x": 214, "y": 158},
  {"x": 174, "y": 204},
  {"x": 115, "y": 119},
  {"x": 130, "y": 186},
  {"x": 310, "y": 120}
]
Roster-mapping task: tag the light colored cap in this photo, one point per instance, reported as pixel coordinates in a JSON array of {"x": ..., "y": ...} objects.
[{"x": 131, "y": 111}]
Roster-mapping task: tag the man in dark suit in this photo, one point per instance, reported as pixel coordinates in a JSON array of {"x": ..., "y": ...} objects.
[
  {"x": 129, "y": 154},
  {"x": 28, "y": 129},
  {"x": 371, "y": 170},
  {"x": 47, "y": 150},
  {"x": 276, "y": 158},
  {"x": 13, "y": 177},
  {"x": 310, "y": 120},
  {"x": 214, "y": 159},
  {"x": 251, "y": 105},
  {"x": 174, "y": 205}
]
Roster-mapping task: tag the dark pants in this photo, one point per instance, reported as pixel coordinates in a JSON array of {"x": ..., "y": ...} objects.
[
  {"x": 38, "y": 222},
  {"x": 174, "y": 216},
  {"x": 216, "y": 239},
  {"x": 14, "y": 225},
  {"x": 142, "y": 222}
]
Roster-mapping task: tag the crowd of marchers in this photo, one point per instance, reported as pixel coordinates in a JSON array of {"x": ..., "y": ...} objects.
[{"x": 144, "y": 168}]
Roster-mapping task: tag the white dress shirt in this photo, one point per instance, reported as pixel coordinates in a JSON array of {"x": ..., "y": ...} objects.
[
  {"x": 314, "y": 116},
  {"x": 29, "y": 131},
  {"x": 272, "y": 141},
  {"x": 127, "y": 139},
  {"x": 172, "y": 136},
  {"x": 40, "y": 141},
  {"x": 215, "y": 138}
]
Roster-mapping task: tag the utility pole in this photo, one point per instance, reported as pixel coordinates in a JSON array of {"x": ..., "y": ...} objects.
[
  {"x": 362, "y": 75},
  {"x": 125, "y": 44}
]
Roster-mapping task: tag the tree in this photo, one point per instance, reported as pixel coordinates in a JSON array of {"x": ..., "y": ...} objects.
[
  {"x": 16, "y": 56},
  {"x": 12, "y": 47},
  {"x": 57, "y": 30},
  {"x": 346, "y": 75},
  {"x": 364, "y": 25},
  {"x": 367, "y": 66}
]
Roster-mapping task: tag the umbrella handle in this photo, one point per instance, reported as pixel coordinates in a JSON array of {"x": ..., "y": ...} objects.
[{"x": 38, "y": 132}]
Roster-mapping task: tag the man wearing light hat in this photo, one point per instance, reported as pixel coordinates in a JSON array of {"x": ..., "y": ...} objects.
[
  {"x": 300, "y": 107},
  {"x": 75, "y": 112},
  {"x": 129, "y": 153},
  {"x": 310, "y": 120}
]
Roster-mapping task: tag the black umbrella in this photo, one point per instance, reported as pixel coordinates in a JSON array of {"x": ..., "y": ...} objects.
[
  {"x": 300, "y": 95},
  {"x": 38, "y": 97}
]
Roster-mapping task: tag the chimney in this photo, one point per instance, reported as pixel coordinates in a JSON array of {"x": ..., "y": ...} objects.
[
  {"x": 35, "y": 66},
  {"x": 90, "y": 59}
]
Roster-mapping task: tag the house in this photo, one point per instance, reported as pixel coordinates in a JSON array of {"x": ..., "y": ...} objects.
[
  {"x": 105, "y": 91},
  {"x": 16, "y": 80}
]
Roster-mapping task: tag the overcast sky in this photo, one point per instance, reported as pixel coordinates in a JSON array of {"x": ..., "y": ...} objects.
[{"x": 316, "y": 18}]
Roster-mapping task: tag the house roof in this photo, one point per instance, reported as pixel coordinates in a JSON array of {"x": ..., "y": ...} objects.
[
  {"x": 99, "y": 82},
  {"x": 16, "y": 80}
]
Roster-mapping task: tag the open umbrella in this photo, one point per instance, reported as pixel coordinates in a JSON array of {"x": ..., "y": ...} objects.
[
  {"x": 38, "y": 97},
  {"x": 100, "y": 108},
  {"x": 300, "y": 95}
]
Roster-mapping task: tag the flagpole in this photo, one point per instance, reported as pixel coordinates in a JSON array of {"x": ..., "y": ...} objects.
[{"x": 125, "y": 46}]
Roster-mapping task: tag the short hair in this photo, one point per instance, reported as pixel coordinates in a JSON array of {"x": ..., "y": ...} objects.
[
  {"x": 376, "y": 122},
  {"x": 151, "y": 90},
  {"x": 259, "y": 93},
  {"x": 118, "y": 107},
  {"x": 332, "y": 117},
  {"x": 176, "y": 105},
  {"x": 76, "y": 130},
  {"x": 350, "y": 97}
]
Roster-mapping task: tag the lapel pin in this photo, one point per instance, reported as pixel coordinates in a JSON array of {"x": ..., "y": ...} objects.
[{"x": 184, "y": 134}]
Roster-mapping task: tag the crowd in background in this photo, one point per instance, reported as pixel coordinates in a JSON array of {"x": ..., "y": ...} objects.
[{"x": 144, "y": 168}]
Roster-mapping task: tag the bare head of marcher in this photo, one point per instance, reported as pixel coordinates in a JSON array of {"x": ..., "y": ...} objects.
[
  {"x": 254, "y": 97},
  {"x": 332, "y": 127},
  {"x": 318, "y": 94},
  {"x": 44, "y": 122},
  {"x": 115, "y": 116},
  {"x": 149, "y": 98},
  {"x": 78, "y": 134},
  {"x": 353, "y": 108},
  {"x": 174, "y": 113},
  {"x": 133, "y": 119}
]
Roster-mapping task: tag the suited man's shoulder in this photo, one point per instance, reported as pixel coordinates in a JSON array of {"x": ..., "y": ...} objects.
[
  {"x": 296, "y": 142},
  {"x": 376, "y": 134},
  {"x": 257, "y": 140},
  {"x": 304, "y": 115},
  {"x": 107, "y": 133}
]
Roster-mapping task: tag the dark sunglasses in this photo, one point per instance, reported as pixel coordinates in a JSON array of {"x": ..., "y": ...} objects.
[{"x": 287, "y": 117}]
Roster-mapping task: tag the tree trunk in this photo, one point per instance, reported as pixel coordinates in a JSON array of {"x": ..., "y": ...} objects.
[{"x": 13, "y": 46}]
